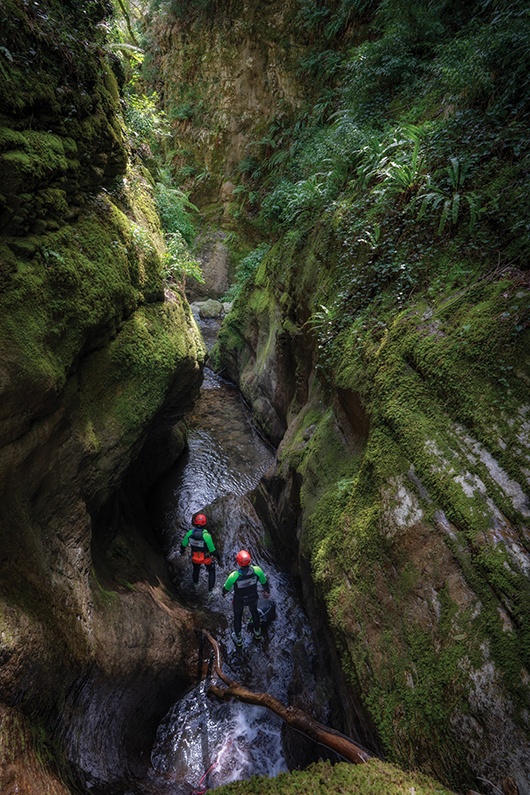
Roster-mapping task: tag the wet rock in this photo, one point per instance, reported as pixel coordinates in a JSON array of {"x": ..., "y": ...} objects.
[{"x": 227, "y": 191}]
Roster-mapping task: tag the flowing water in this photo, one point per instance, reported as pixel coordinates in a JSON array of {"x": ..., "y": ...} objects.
[{"x": 202, "y": 742}]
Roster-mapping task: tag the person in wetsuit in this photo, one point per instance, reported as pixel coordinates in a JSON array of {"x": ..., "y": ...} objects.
[
  {"x": 244, "y": 580},
  {"x": 202, "y": 549}
]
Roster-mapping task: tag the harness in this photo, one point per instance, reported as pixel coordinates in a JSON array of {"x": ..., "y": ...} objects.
[
  {"x": 246, "y": 585},
  {"x": 199, "y": 549}
]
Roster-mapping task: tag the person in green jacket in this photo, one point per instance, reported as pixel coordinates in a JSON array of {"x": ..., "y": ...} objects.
[
  {"x": 202, "y": 549},
  {"x": 244, "y": 580}
]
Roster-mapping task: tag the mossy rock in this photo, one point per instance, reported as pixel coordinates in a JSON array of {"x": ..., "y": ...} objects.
[{"x": 372, "y": 778}]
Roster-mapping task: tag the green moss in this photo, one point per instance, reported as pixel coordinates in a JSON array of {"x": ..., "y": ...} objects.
[
  {"x": 231, "y": 344},
  {"x": 103, "y": 596},
  {"x": 421, "y": 687},
  {"x": 325, "y": 461},
  {"x": 260, "y": 301},
  {"x": 40, "y": 154},
  {"x": 427, "y": 377},
  {"x": 130, "y": 378},
  {"x": 83, "y": 281},
  {"x": 420, "y": 385},
  {"x": 295, "y": 451},
  {"x": 372, "y": 778},
  {"x": 11, "y": 139},
  {"x": 501, "y": 590}
]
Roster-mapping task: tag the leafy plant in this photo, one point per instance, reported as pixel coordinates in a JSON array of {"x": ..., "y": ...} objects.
[
  {"x": 246, "y": 269},
  {"x": 322, "y": 65},
  {"x": 395, "y": 168},
  {"x": 126, "y": 12},
  {"x": 323, "y": 324},
  {"x": 179, "y": 264},
  {"x": 320, "y": 20},
  {"x": 299, "y": 202},
  {"x": 487, "y": 63},
  {"x": 447, "y": 202},
  {"x": 247, "y": 197},
  {"x": 144, "y": 119},
  {"x": 376, "y": 71},
  {"x": 174, "y": 208},
  {"x": 371, "y": 237},
  {"x": 401, "y": 177},
  {"x": 184, "y": 9}
]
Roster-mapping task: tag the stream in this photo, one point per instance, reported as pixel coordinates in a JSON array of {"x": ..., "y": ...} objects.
[{"x": 202, "y": 743}]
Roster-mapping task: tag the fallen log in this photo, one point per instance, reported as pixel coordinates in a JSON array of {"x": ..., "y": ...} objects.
[{"x": 342, "y": 745}]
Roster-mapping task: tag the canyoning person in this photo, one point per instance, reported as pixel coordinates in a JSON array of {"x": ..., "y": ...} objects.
[
  {"x": 244, "y": 580},
  {"x": 202, "y": 549}
]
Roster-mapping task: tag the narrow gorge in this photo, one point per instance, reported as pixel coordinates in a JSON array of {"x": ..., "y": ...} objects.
[{"x": 348, "y": 181}]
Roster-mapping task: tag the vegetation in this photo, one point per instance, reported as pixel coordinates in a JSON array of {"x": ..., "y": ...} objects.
[
  {"x": 147, "y": 127},
  {"x": 383, "y": 211},
  {"x": 246, "y": 270},
  {"x": 394, "y": 208},
  {"x": 437, "y": 161},
  {"x": 372, "y": 778}
]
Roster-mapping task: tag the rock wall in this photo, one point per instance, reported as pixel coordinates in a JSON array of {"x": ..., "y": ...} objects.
[
  {"x": 223, "y": 74},
  {"x": 97, "y": 366},
  {"x": 411, "y": 513}
]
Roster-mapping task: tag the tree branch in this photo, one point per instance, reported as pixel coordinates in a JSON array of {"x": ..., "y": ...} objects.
[{"x": 294, "y": 717}]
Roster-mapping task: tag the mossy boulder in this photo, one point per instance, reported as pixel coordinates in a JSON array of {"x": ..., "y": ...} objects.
[
  {"x": 371, "y": 778},
  {"x": 211, "y": 309}
]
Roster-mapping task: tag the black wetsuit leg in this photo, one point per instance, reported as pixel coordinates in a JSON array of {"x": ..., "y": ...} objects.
[
  {"x": 256, "y": 623},
  {"x": 211, "y": 575},
  {"x": 238, "y": 615},
  {"x": 196, "y": 572}
]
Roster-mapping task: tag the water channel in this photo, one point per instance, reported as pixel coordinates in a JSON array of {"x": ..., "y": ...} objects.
[{"x": 203, "y": 743}]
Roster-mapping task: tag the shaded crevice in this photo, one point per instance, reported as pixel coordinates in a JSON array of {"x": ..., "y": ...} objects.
[{"x": 352, "y": 419}]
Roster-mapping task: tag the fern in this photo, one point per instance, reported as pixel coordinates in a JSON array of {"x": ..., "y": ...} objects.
[
  {"x": 395, "y": 170},
  {"x": 178, "y": 262},
  {"x": 449, "y": 199},
  {"x": 175, "y": 210}
]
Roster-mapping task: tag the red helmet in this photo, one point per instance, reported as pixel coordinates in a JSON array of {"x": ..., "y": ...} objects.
[
  {"x": 199, "y": 520},
  {"x": 243, "y": 558}
]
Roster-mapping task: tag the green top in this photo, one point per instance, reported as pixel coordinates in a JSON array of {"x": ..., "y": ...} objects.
[
  {"x": 234, "y": 576},
  {"x": 206, "y": 537}
]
